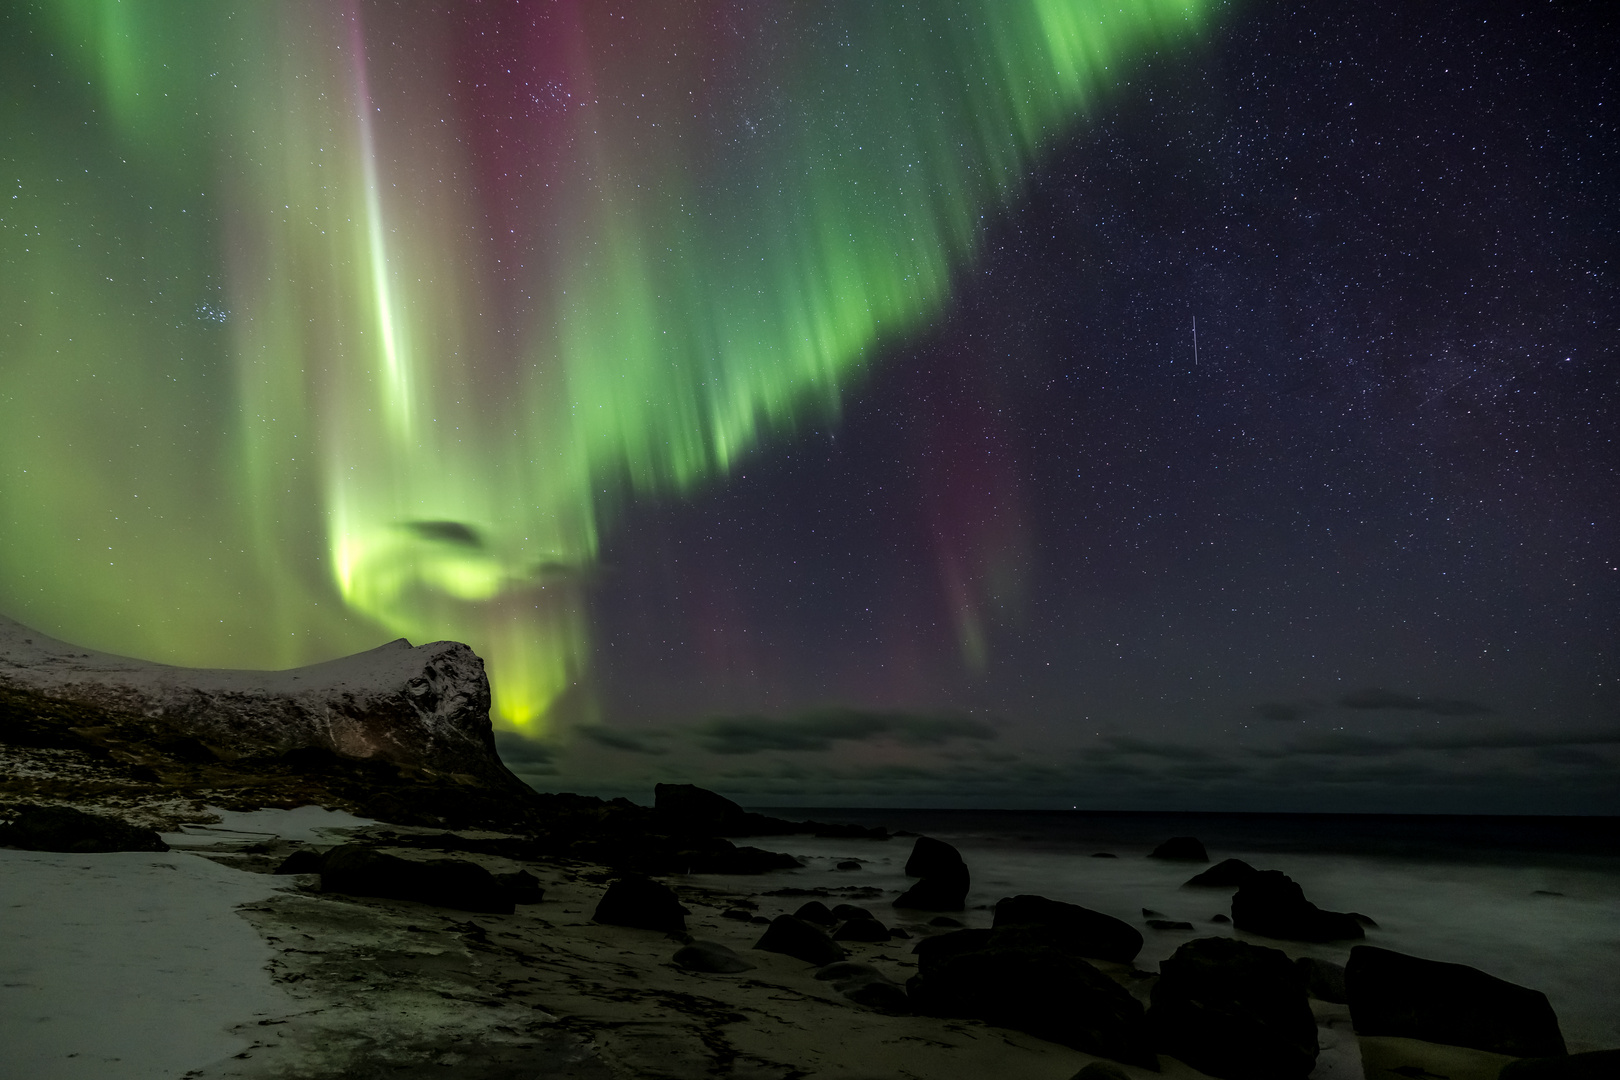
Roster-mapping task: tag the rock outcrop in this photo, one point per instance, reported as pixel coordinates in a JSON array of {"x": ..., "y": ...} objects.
[
  {"x": 1392, "y": 993},
  {"x": 398, "y": 732},
  {"x": 425, "y": 707},
  {"x": 1272, "y": 903},
  {"x": 1234, "y": 1010},
  {"x": 689, "y": 808},
  {"x": 63, "y": 828}
]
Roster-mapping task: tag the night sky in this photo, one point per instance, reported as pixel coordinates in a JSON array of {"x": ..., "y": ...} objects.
[{"x": 951, "y": 513}]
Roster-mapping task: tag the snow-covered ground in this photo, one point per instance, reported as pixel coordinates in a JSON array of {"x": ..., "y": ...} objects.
[{"x": 133, "y": 965}]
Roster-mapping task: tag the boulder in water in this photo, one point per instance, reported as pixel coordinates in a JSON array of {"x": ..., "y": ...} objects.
[
  {"x": 1227, "y": 873},
  {"x": 1181, "y": 849},
  {"x": 945, "y": 880},
  {"x": 1272, "y": 903},
  {"x": 930, "y": 857}
]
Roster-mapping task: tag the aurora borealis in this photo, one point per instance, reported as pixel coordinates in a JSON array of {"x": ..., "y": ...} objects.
[
  {"x": 799, "y": 398},
  {"x": 324, "y": 319}
]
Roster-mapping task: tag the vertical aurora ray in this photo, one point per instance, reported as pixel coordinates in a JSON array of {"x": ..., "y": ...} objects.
[{"x": 385, "y": 311}]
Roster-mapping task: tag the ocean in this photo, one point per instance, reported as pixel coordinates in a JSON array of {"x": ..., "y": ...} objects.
[{"x": 1535, "y": 901}]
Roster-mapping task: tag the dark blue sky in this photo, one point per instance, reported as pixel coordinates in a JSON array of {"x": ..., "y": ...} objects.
[{"x": 1361, "y": 556}]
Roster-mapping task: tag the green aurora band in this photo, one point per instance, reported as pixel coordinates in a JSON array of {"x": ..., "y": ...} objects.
[{"x": 306, "y": 338}]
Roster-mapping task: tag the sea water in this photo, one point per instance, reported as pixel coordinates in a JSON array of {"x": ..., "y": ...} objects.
[{"x": 1535, "y": 901}]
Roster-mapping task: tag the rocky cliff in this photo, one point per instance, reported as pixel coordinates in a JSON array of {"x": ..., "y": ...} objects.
[{"x": 397, "y": 722}]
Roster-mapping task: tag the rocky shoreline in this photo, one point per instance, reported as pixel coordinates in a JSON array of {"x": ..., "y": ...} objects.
[{"x": 461, "y": 920}]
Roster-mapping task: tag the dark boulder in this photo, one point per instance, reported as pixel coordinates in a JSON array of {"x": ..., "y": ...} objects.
[
  {"x": 866, "y": 985},
  {"x": 944, "y": 883},
  {"x": 847, "y": 969},
  {"x": 930, "y": 858},
  {"x": 848, "y": 864},
  {"x": 1324, "y": 980},
  {"x": 360, "y": 870},
  {"x": 1220, "y": 918},
  {"x": 1395, "y": 994},
  {"x": 1081, "y": 930},
  {"x": 1015, "y": 977},
  {"x": 1594, "y": 1065},
  {"x": 1234, "y": 1010},
  {"x": 302, "y": 861},
  {"x": 935, "y": 894},
  {"x": 1169, "y": 924},
  {"x": 817, "y": 912},
  {"x": 1101, "y": 1070},
  {"x": 710, "y": 957},
  {"x": 641, "y": 902},
  {"x": 524, "y": 885},
  {"x": 739, "y": 914},
  {"x": 931, "y": 952},
  {"x": 716, "y": 856},
  {"x": 945, "y": 920},
  {"x": 1272, "y": 903},
  {"x": 1181, "y": 849},
  {"x": 867, "y": 929},
  {"x": 801, "y": 940},
  {"x": 851, "y": 911},
  {"x": 63, "y": 828},
  {"x": 1228, "y": 873}
]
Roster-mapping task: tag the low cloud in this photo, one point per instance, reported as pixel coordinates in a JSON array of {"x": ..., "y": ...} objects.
[
  {"x": 1374, "y": 698},
  {"x": 819, "y": 730},
  {"x": 524, "y": 756},
  {"x": 615, "y": 739},
  {"x": 1118, "y": 745}
]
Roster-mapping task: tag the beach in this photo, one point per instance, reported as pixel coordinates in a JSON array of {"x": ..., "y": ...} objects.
[{"x": 199, "y": 962}]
